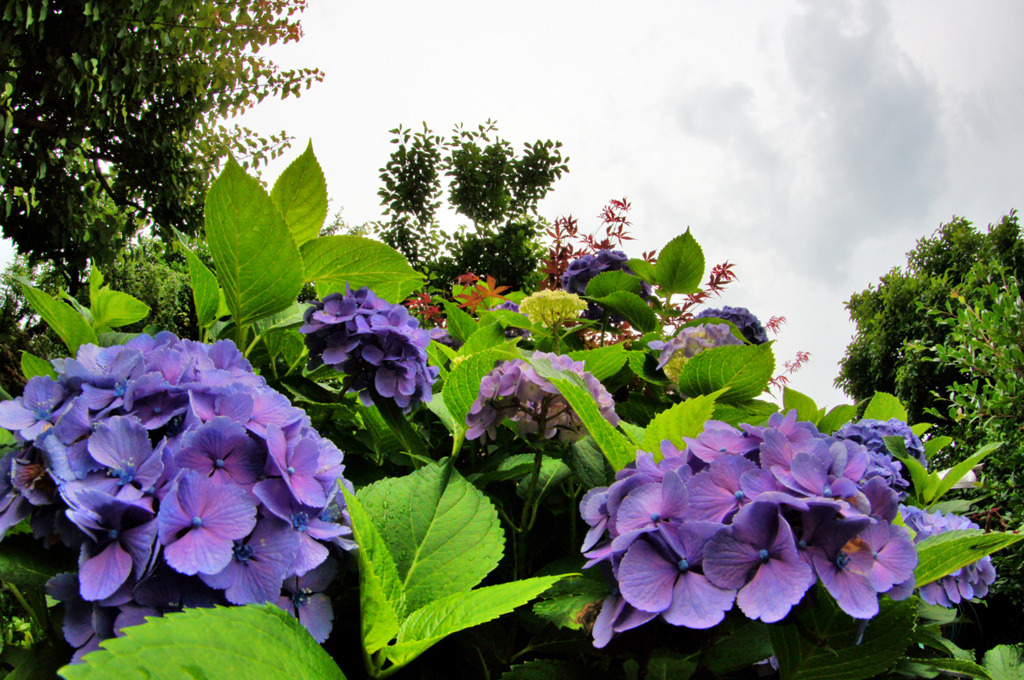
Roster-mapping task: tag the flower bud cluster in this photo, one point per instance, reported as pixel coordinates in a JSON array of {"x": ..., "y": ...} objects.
[
  {"x": 515, "y": 391},
  {"x": 751, "y": 517},
  {"x": 550, "y": 308},
  {"x": 181, "y": 478},
  {"x": 377, "y": 344}
]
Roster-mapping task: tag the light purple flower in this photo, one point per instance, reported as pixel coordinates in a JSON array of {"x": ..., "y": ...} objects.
[
  {"x": 34, "y": 412},
  {"x": 258, "y": 564},
  {"x": 304, "y": 599},
  {"x": 222, "y": 450}
]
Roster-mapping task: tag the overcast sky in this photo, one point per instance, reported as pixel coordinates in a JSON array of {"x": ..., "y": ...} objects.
[{"x": 810, "y": 144}]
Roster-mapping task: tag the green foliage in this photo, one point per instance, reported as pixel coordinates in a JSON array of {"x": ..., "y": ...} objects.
[
  {"x": 111, "y": 116},
  {"x": 743, "y": 370},
  {"x": 254, "y": 642},
  {"x": 945, "y": 553},
  {"x": 887, "y": 354}
]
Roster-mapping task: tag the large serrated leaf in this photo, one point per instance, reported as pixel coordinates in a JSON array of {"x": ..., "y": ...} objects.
[
  {"x": 205, "y": 291},
  {"x": 630, "y": 307},
  {"x": 680, "y": 266},
  {"x": 602, "y": 362},
  {"x": 615, "y": 446},
  {"x": 440, "y": 618},
  {"x": 609, "y": 282},
  {"x": 71, "y": 327},
  {"x": 333, "y": 261},
  {"x": 944, "y": 553},
  {"x": 25, "y": 563},
  {"x": 805, "y": 407},
  {"x": 257, "y": 262},
  {"x": 31, "y": 366},
  {"x": 884, "y": 406},
  {"x": 825, "y": 642},
  {"x": 744, "y": 369},
  {"x": 255, "y": 642},
  {"x": 463, "y": 384},
  {"x": 442, "y": 531},
  {"x": 300, "y": 193},
  {"x": 380, "y": 588},
  {"x": 836, "y": 418},
  {"x": 1004, "y": 662},
  {"x": 685, "y": 419}
]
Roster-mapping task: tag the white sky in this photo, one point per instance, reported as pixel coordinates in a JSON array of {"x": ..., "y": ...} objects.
[{"x": 810, "y": 144}]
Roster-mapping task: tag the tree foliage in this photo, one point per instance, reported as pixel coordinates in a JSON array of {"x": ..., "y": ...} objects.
[
  {"x": 110, "y": 112},
  {"x": 886, "y": 352},
  {"x": 488, "y": 183}
]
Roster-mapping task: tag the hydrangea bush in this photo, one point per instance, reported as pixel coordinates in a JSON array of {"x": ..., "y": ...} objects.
[{"x": 515, "y": 457}]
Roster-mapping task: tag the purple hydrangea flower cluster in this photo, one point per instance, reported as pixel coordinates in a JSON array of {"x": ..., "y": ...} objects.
[
  {"x": 380, "y": 346},
  {"x": 580, "y": 271},
  {"x": 689, "y": 342},
  {"x": 515, "y": 391},
  {"x": 181, "y": 478},
  {"x": 751, "y": 517},
  {"x": 963, "y": 584},
  {"x": 748, "y": 324},
  {"x": 872, "y": 433}
]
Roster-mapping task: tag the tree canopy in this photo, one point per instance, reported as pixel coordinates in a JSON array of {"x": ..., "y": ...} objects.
[
  {"x": 886, "y": 353},
  {"x": 111, "y": 110}
]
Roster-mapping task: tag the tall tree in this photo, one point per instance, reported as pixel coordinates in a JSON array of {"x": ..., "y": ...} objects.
[
  {"x": 888, "y": 351},
  {"x": 111, "y": 115}
]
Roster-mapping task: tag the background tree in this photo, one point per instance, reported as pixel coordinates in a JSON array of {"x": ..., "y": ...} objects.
[
  {"x": 111, "y": 109},
  {"x": 887, "y": 352},
  {"x": 488, "y": 183}
]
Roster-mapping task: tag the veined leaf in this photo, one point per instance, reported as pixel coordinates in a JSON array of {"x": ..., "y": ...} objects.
[
  {"x": 945, "y": 553},
  {"x": 333, "y": 261},
  {"x": 603, "y": 362},
  {"x": 836, "y": 418},
  {"x": 31, "y": 366},
  {"x": 301, "y": 195},
  {"x": 630, "y": 307},
  {"x": 72, "y": 328},
  {"x": 680, "y": 266},
  {"x": 685, "y": 419},
  {"x": 440, "y": 618},
  {"x": 609, "y": 282},
  {"x": 255, "y": 642},
  {"x": 442, "y": 531},
  {"x": 805, "y": 407},
  {"x": 884, "y": 406},
  {"x": 380, "y": 589},
  {"x": 111, "y": 308},
  {"x": 257, "y": 262},
  {"x": 957, "y": 472},
  {"x": 461, "y": 324},
  {"x": 205, "y": 290},
  {"x": 744, "y": 369}
]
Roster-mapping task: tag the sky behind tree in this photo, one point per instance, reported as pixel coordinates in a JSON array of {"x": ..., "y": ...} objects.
[{"x": 811, "y": 144}]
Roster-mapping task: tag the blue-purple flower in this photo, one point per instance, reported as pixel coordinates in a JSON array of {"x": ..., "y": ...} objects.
[
  {"x": 741, "y": 317},
  {"x": 379, "y": 346},
  {"x": 580, "y": 271},
  {"x": 689, "y": 342}
]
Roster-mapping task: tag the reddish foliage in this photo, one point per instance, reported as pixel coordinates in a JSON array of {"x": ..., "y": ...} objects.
[
  {"x": 775, "y": 324},
  {"x": 565, "y": 230},
  {"x": 481, "y": 292},
  {"x": 422, "y": 305},
  {"x": 791, "y": 367}
]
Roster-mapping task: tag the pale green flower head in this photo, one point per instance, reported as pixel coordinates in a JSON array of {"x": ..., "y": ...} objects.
[{"x": 552, "y": 308}]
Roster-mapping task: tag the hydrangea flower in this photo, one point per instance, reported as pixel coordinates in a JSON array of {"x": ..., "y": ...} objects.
[
  {"x": 689, "y": 342},
  {"x": 379, "y": 346},
  {"x": 515, "y": 391},
  {"x": 550, "y": 308},
  {"x": 580, "y": 271},
  {"x": 179, "y": 475},
  {"x": 751, "y": 516},
  {"x": 748, "y": 324},
  {"x": 964, "y": 584},
  {"x": 871, "y": 434}
]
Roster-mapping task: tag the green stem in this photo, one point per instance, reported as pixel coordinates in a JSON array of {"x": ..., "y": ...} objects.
[{"x": 29, "y": 609}]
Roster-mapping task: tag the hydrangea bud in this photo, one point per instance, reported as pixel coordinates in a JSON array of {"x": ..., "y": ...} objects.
[{"x": 550, "y": 308}]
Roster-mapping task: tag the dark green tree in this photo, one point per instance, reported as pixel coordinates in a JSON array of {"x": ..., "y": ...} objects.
[
  {"x": 111, "y": 110},
  {"x": 893, "y": 329},
  {"x": 488, "y": 183}
]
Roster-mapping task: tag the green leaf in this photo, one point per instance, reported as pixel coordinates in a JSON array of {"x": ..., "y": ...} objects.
[
  {"x": 751, "y": 411},
  {"x": 668, "y": 664},
  {"x": 588, "y": 464},
  {"x": 69, "y": 326},
  {"x": 552, "y": 473},
  {"x": 744, "y": 645},
  {"x": 548, "y": 669},
  {"x": 805, "y": 407},
  {"x": 380, "y": 588},
  {"x": 488, "y": 334},
  {"x": 957, "y": 472},
  {"x": 884, "y": 406},
  {"x": 205, "y": 291},
  {"x": 614, "y": 444},
  {"x": 744, "y": 369},
  {"x": 567, "y": 603},
  {"x": 836, "y": 418},
  {"x": 460, "y": 324},
  {"x": 31, "y": 366},
  {"x": 333, "y": 261},
  {"x": 1004, "y": 662},
  {"x": 630, "y": 307},
  {"x": 824, "y": 643},
  {"x": 442, "y": 531},
  {"x": 112, "y": 309},
  {"x": 958, "y": 667},
  {"x": 257, "y": 262},
  {"x": 945, "y": 553},
  {"x": 680, "y": 266},
  {"x": 461, "y": 610},
  {"x": 610, "y": 282},
  {"x": 685, "y": 419},
  {"x": 463, "y": 384},
  {"x": 301, "y": 195},
  {"x": 255, "y": 642},
  {"x": 25, "y": 563},
  {"x": 602, "y": 362},
  {"x": 644, "y": 269},
  {"x": 934, "y": 445}
]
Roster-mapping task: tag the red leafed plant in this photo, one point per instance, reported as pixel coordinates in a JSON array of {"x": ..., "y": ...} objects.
[
  {"x": 565, "y": 230},
  {"x": 488, "y": 290}
]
